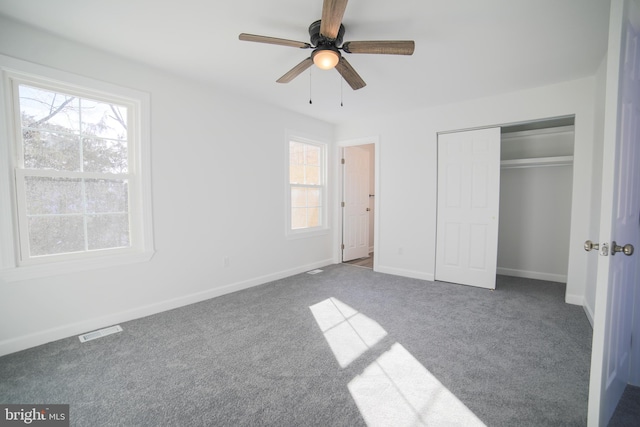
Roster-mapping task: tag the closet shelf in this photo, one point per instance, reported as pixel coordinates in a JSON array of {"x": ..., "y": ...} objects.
[{"x": 537, "y": 162}]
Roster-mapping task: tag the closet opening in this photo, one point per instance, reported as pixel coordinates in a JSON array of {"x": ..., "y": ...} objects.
[{"x": 536, "y": 183}]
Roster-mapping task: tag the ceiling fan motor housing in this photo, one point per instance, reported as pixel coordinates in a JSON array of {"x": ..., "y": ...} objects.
[{"x": 318, "y": 39}]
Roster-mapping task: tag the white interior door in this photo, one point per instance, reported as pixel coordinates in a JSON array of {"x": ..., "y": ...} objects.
[
  {"x": 468, "y": 206},
  {"x": 355, "y": 232},
  {"x": 612, "y": 361}
]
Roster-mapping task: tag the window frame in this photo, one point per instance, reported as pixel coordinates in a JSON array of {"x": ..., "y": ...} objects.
[
  {"x": 323, "y": 228},
  {"x": 15, "y": 264}
]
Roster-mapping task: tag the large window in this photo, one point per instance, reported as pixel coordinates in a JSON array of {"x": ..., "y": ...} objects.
[
  {"x": 72, "y": 177},
  {"x": 78, "y": 173},
  {"x": 306, "y": 186}
]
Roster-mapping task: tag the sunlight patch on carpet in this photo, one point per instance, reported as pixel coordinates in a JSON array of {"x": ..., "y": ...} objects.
[
  {"x": 396, "y": 389},
  {"x": 348, "y": 332}
]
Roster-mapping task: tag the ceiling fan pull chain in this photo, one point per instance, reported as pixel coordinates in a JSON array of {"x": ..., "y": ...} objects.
[
  {"x": 341, "y": 93},
  {"x": 310, "y": 102}
]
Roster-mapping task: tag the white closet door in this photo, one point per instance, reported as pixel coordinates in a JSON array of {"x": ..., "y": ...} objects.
[{"x": 468, "y": 206}]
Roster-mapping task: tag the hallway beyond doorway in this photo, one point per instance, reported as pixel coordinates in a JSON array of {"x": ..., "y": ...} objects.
[{"x": 366, "y": 262}]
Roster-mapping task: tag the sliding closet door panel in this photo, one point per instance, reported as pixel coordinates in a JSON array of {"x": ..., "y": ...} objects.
[
  {"x": 468, "y": 206},
  {"x": 451, "y": 244}
]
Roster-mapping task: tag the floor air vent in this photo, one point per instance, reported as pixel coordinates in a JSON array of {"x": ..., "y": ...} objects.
[
  {"x": 314, "y": 271},
  {"x": 100, "y": 333}
]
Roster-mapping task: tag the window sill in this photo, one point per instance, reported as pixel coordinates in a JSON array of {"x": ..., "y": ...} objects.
[
  {"x": 36, "y": 271},
  {"x": 307, "y": 233}
]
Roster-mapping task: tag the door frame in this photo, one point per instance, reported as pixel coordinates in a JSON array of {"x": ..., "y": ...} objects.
[
  {"x": 356, "y": 213},
  {"x": 338, "y": 190}
]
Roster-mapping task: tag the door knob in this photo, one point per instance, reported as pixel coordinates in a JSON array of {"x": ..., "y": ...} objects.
[
  {"x": 626, "y": 249},
  {"x": 589, "y": 245}
]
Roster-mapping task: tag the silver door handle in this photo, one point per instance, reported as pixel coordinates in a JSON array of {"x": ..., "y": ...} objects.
[
  {"x": 589, "y": 245},
  {"x": 626, "y": 249}
]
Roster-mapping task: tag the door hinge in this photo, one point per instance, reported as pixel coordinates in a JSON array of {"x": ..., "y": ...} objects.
[
  {"x": 343, "y": 204},
  {"x": 342, "y": 161},
  {"x": 342, "y": 247}
]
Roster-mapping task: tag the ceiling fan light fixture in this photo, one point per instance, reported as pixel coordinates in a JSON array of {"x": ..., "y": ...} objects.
[{"x": 325, "y": 58}]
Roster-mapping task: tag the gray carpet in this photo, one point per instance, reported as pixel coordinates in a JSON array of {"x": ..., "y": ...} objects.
[
  {"x": 437, "y": 352},
  {"x": 627, "y": 414}
]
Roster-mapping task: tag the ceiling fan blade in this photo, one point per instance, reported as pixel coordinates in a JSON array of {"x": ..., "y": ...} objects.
[
  {"x": 295, "y": 71},
  {"x": 332, "y": 13},
  {"x": 386, "y": 47},
  {"x": 350, "y": 75},
  {"x": 273, "y": 40}
]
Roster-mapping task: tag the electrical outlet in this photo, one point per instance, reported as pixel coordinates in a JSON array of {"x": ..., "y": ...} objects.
[{"x": 227, "y": 261}]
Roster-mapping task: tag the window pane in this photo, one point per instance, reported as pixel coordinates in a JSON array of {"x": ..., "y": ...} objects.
[
  {"x": 313, "y": 197},
  {"x": 108, "y": 231},
  {"x": 296, "y": 174},
  {"x": 50, "y": 150},
  {"x": 312, "y": 155},
  {"x": 104, "y": 120},
  {"x": 44, "y": 109},
  {"x": 51, "y": 128},
  {"x": 296, "y": 153},
  {"x": 298, "y": 197},
  {"x": 312, "y": 175},
  {"x": 298, "y": 218},
  {"x": 53, "y": 195},
  {"x": 104, "y": 155},
  {"x": 106, "y": 196},
  {"x": 50, "y": 235},
  {"x": 52, "y": 230},
  {"x": 313, "y": 217}
]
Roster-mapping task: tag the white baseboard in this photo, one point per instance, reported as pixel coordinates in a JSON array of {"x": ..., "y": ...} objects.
[
  {"x": 580, "y": 300},
  {"x": 562, "y": 278},
  {"x": 589, "y": 312},
  {"x": 574, "y": 299},
  {"x": 13, "y": 345},
  {"x": 405, "y": 273}
]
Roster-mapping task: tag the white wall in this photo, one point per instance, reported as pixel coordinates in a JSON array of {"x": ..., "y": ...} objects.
[
  {"x": 218, "y": 191},
  {"x": 408, "y": 141}
]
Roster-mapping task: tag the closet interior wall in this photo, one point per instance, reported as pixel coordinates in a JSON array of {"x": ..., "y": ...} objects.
[{"x": 535, "y": 202}]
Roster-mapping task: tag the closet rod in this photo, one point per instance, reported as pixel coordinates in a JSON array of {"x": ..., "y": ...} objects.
[{"x": 537, "y": 162}]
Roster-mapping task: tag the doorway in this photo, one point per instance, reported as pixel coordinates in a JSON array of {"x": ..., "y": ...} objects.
[{"x": 358, "y": 204}]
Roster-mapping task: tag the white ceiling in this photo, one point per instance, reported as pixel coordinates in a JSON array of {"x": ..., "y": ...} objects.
[{"x": 464, "y": 48}]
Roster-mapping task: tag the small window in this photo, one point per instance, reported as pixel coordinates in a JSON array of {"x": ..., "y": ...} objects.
[
  {"x": 306, "y": 186},
  {"x": 79, "y": 173}
]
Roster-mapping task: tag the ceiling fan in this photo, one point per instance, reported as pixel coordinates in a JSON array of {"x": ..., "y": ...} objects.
[{"x": 326, "y": 41}]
